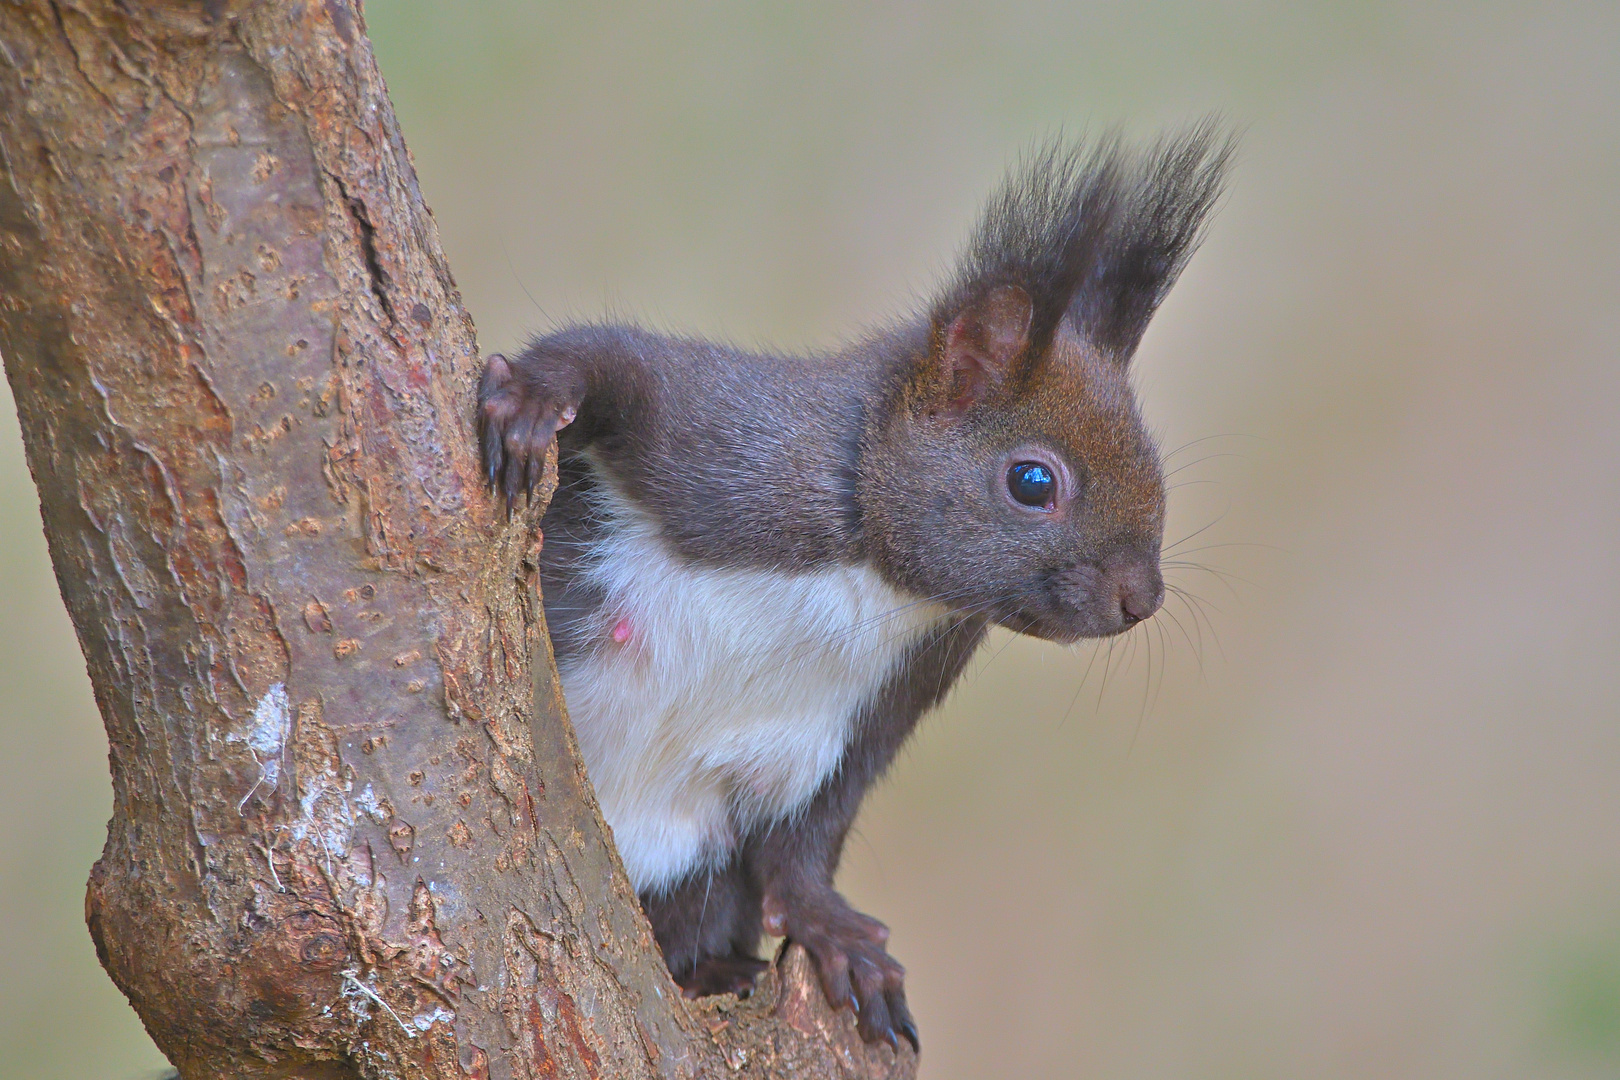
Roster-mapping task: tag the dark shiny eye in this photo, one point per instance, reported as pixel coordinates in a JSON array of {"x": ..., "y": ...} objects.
[{"x": 1032, "y": 484}]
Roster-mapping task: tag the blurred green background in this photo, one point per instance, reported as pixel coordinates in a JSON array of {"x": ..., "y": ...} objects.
[{"x": 1352, "y": 812}]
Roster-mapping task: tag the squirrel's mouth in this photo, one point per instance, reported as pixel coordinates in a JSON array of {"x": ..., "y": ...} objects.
[
  {"x": 1089, "y": 601},
  {"x": 1023, "y": 623},
  {"x": 1080, "y": 626},
  {"x": 1052, "y": 622}
]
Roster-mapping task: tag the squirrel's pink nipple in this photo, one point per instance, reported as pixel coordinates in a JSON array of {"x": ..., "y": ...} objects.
[{"x": 621, "y": 631}]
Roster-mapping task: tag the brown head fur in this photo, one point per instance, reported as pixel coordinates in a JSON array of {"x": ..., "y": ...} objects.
[{"x": 1026, "y": 366}]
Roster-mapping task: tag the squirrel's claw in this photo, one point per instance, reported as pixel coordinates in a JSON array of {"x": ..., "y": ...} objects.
[{"x": 856, "y": 969}]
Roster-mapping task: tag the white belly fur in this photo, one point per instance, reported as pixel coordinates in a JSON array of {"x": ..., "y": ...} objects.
[{"x": 731, "y": 699}]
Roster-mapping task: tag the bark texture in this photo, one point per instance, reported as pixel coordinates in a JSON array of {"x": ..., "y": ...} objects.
[{"x": 344, "y": 842}]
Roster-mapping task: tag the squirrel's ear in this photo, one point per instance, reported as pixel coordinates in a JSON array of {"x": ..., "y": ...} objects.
[{"x": 982, "y": 343}]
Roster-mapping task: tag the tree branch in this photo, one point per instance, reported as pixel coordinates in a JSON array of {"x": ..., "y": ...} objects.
[{"x": 344, "y": 842}]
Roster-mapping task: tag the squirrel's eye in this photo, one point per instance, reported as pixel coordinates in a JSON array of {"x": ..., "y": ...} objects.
[{"x": 1032, "y": 484}]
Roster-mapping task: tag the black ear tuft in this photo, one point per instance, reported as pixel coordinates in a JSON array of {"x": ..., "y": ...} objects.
[
  {"x": 1159, "y": 219},
  {"x": 1097, "y": 233}
]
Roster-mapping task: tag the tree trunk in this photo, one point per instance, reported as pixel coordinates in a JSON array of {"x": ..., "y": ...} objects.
[{"x": 344, "y": 841}]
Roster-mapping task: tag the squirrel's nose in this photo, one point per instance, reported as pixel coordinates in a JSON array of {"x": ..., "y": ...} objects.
[{"x": 1140, "y": 590}]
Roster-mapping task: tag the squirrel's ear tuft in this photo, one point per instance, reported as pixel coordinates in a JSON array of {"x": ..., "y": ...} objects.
[
  {"x": 1096, "y": 234},
  {"x": 982, "y": 343},
  {"x": 1159, "y": 218}
]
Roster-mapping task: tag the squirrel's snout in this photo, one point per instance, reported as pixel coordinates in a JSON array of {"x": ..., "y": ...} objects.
[
  {"x": 1110, "y": 596},
  {"x": 1139, "y": 590}
]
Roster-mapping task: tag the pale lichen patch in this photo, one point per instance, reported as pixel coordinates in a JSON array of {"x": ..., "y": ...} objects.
[{"x": 266, "y": 738}]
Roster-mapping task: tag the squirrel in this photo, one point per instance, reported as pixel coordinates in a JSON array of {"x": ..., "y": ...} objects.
[{"x": 760, "y": 570}]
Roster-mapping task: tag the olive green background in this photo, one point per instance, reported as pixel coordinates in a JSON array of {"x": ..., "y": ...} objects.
[{"x": 1352, "y": 811}]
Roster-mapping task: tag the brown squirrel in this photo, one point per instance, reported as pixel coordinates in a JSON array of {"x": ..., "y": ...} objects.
[{"x": 760, "y": 570}]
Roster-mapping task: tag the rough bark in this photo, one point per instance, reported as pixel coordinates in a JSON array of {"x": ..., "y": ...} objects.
[{"x": 344, "y": 842}]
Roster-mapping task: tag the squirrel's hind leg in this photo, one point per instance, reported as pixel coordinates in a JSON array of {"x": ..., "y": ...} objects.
[{"x": 708, "y": 927}]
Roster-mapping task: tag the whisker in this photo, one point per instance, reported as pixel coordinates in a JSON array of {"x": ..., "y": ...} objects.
[
  {"x": 1148, "y": 682},
  {"x": 850, "y": 631},
  {"x": 1191, "y": 564},
  {"x": 702, "y": 912},
  {"x": 1221, "y": 517},
  {"x": 1164, "y": 658},
  {"x": 1234, "y": 543},
  {"x": 1198, "y": 655},
  {"x": 1199, "y": 461},
  {"x": 1108, "y": 665},
  {"x": 517, "y": 278},
  {"x": 1195, "y": 606},
  {"x": 1208, "y": 438},
  {"x": 1095, "y": 651},
  {"x": 997, "y": 654},
  {"x": 1225, "y": 577}
]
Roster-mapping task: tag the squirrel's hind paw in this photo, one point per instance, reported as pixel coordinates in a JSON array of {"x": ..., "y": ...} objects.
[{"x": 722, "y": 975}]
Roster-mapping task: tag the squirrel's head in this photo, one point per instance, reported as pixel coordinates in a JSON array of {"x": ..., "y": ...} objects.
[{"x": 1013, "y": 476}]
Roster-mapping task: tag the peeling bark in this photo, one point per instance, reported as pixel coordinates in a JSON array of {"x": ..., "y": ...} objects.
[{"x": 345, "y": 842}]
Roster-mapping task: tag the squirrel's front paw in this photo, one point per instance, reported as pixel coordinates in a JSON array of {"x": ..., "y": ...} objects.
[
  {"x": 517, "y": 419},
  {"x": 855, "y": 967}
]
